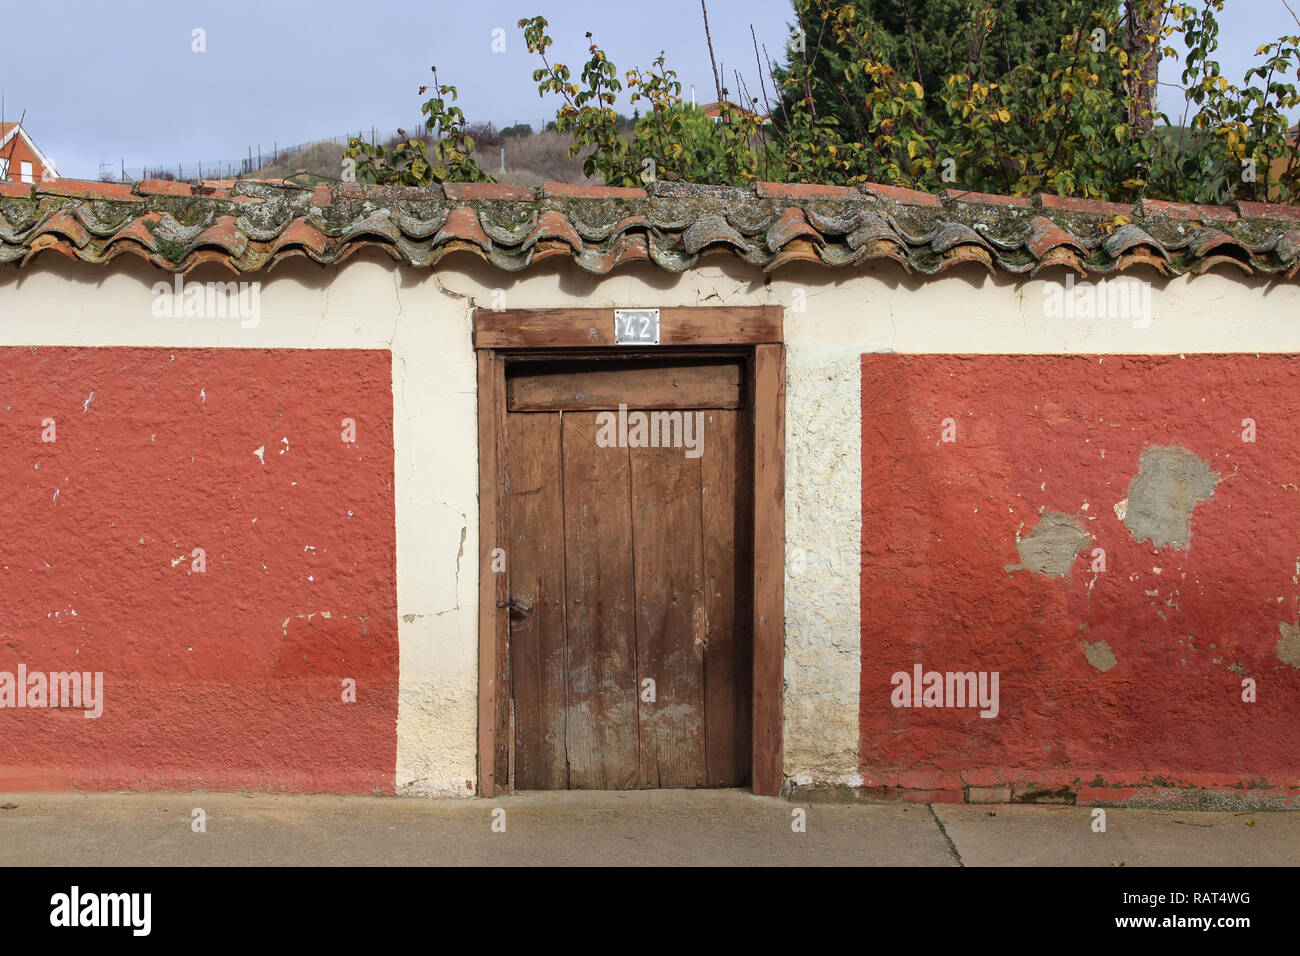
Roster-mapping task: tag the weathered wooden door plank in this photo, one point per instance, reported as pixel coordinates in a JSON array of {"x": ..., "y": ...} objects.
[
  {"x": 537, "y": 627},
  {"x": 724, "y": 531},
  {"x": 670, "y": 615},
  {"x": 601, "y": 724}
]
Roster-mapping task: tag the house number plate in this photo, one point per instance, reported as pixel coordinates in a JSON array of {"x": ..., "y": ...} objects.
[{"x": 636, "y": 326}]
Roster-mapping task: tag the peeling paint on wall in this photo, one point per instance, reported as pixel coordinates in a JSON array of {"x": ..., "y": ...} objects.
[
  {"x": 1169, "y": 483},
  {"x": 1038, "y": 438},
  {"x": 1099, "y": 655},
  {"x": 1288, "y": 645},
  {"x": 1050, "y": 549}
]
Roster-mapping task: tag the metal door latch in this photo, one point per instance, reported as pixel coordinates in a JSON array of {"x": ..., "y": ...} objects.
[{"x": 515, "y": 606}]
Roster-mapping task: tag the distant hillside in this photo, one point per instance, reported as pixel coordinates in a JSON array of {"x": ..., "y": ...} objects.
[{"x": 530, "y": 159}]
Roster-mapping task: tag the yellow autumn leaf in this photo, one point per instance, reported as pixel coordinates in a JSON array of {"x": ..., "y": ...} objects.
[{"x": 1004, "y": 115}]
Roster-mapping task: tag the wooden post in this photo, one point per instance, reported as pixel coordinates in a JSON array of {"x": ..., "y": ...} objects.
[
  {"x": 491, "y": 388},
  {"x": 769, "y": 566}
]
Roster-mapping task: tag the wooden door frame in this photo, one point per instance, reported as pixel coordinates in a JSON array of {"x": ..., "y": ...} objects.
[{"x": 755, "y": 331}]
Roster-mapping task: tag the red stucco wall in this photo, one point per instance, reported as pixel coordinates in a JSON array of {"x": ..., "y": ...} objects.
[
  {"x": 224, "y": 679},
  {"x": 940, "y": 585}
]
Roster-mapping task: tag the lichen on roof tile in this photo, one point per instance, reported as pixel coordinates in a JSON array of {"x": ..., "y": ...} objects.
[{"x": 252, "y": 225}]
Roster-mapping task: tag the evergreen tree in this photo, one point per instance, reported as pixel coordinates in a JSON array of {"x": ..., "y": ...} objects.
[{"x": 925, "y": 41}]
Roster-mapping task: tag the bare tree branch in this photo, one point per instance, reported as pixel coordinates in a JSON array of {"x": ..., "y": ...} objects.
[{"x": 717, "y": 81}]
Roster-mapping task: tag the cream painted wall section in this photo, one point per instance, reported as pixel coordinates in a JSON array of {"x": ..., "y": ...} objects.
[{"x": 831, "y": 319}]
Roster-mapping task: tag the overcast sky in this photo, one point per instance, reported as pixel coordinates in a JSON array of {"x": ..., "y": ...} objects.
[{"x": 107, "y": 81}]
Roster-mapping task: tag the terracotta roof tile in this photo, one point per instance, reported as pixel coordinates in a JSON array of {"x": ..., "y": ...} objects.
[
  {"x": 626, "y": 248},
  {"x": 949, "y": 235},
  {"x": 467, "y": 191},
  {"x": 805, "y": 191},
  {"x": 418, "y": 222},
  {"x": 463, "y": 227},
  {"x": 578, "y": 191},
  {"x": 796, "y": 250},
  {"x": 719, "y": 192},
  {"x": 1046, "y": 235},
  {"x": 553, "y": 225},
  {"x": 1183, "y": 210},
  {"x": 908, "y": 197},
  {"x": 65, "y": 224},
  {"x": 386, "y": 193},
  {"x": 139, "y": 230},
  {"x": 1062, "y": 256},
  {"x": 1268, "y": 210},
  {"x": 591, "y": 229},
  {"x": 166, "y": 187},
  {"x": 1202, "y": 266},
  {"x": 961, "y": 195},
  {"x": 121, "y": 192},
  {"x": 378, "y": 224},
  {"x": 252, "y": 225},
  {"x": 1094, "y": 207},
  {"x": 961, "y": 255},
  {"x": 303, "y": 236},
  {"x": 711, "y": 230},
  {"x": 1205, "y": 242},
  {"x": 754, "y": 218},
  {"x": 224, "y": 234},
  {"x": 1142, "y": 256},
  {"x": 204, "y": 256},
  {"x": 872, "y": 228},
  {"x": 49, "y": 243},
  {"x": 510, "y": 232},
  {"x": 1129, "y": 236},
  {"x": 547, "y": 248},
  {"x": 792, "y": 225},
  {"x": 880, "y": 249}
]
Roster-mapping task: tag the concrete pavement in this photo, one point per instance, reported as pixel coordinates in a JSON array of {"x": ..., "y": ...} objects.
[{"x": 667, "y": 827}]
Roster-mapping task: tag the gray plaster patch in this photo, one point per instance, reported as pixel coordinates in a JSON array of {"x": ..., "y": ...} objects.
[
  {"x": 1052, "y": 546},
  {"x": 1169, "y": 483},
  {"x": 1099, "y": 655},
  {"x": 1288, "y": 645}
]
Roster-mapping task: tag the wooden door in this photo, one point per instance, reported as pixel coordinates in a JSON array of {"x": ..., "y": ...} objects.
[{"x": 629, "y": 573}]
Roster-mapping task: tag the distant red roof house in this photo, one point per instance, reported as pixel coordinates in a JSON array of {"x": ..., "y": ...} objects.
[{"x": 21, "y": 161}]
